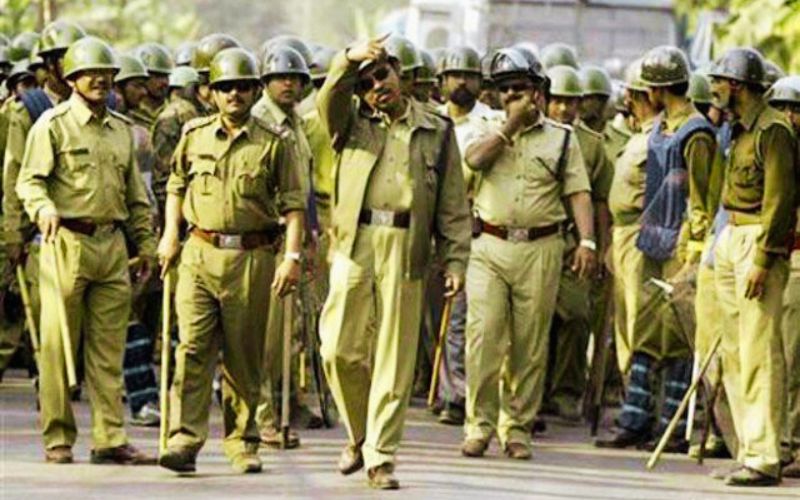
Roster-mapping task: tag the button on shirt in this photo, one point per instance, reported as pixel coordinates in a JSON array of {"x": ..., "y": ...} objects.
[{"x": 520, "y": 189}]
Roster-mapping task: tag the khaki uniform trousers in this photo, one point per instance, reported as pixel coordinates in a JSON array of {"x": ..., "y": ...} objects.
[
  {"x": 752, "y": 349},
  {"x": 96, "y": 290},
  {"x": 791, "y": 349},
  {"x": 11, "y": 332},
  {"x": 371, "y": 319},
  {"x": 222, "y": 302},
  {"x": 511, "y": 293}
]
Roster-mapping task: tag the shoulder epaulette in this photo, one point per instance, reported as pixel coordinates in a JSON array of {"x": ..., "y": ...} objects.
[
  {"x": 588, "y": 130},
  {"x": 560, "y": 125},
  {"x": 60, "y": 108},
  {"x": 279, "y": 130},
  {"x": 198, "y": 122}
]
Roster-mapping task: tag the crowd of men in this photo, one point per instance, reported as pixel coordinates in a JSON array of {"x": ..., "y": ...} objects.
[{"x": 544, "y": 213}]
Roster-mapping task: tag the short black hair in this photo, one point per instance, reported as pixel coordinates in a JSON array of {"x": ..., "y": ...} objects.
[{"x": 679, "y": 89}]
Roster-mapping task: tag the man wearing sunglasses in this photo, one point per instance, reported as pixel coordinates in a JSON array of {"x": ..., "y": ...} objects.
[
  {"x": 397, "y": 186},
  {"x": 233, "y": 176},
  {"x": 527, "y": 169}
]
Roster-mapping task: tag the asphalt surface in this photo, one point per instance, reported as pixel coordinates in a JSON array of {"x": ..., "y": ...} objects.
[{"x": 564, "y": 466}]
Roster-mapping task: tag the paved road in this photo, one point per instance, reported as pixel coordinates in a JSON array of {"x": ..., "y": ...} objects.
[{"x": 564, "y": 466}]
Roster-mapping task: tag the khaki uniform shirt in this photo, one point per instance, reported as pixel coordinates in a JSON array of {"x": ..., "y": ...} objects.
[
  {"x": 438, "y": 203},
  {"x": 235, "y": 184},
  {"x": 390, "y": 185},
  {"x": 77, "y": 165},
  {"x": 598, "y": 166},
  {"x": 760, "y": 177},
  {"x": 521, "y": 189},
  {"x": 626, "y": 199},
  {"x": 616, "y": 134},
  {"x": 19, "y": 124},
  {"x": 321, "y": 150},
  {"x": 166, "y": 133}
]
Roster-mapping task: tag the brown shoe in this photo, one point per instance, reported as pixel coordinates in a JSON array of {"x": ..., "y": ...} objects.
[
  {"x": 180, "y": 460},
  {"x": 792, "y": 470},
  {"x": 518, "y": 451},
  {"x": 247, "y": 461},
  {"x": 58, "y": 455},
  {"x": 126, "y": 454},
  {"x": 351, "y": 459},
  {"x": 273, "y": 438},
  {"x": 382, "y": 477},
  {"x": 474, "y": 447},
  {"x": 751, "y": 477}
]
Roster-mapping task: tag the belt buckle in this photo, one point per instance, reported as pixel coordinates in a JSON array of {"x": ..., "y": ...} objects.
[
  {"x": 517, "y": 235},
  {"x": 230, "y": 241},
  {"x": 382, "y": 218}
]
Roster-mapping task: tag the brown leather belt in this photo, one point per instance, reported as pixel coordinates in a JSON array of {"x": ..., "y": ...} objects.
[
  {"x": 242, "y": 241},
  {"x": 736, "y": 218},
  {"x": 515, "y": 234},
  {"x": 385, "y": 218},
  {"x": 87, "y": 227}
]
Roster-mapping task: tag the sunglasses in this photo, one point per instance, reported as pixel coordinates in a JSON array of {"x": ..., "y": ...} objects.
[
  {"x": 517, "y": 87},
  {"x": 241, "y": 86},
  {"x": 366, "y": 83}
]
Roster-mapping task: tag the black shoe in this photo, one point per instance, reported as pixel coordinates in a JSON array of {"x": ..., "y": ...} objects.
[
  {"x": 452, "y": 414},
  {"x": 675, "y": 445},
  {"x": 623, "y": 439},
  {"x": 539, "y": 427},
  {"x": 180, "y": 460},
  {"x": 751, "y": 477}
]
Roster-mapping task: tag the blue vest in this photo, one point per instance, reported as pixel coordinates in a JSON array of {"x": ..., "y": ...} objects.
[
  {"x": 36, "y": 102},
  {"x": 666, "y": 188}
]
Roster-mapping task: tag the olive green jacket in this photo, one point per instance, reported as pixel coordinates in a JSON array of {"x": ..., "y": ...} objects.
[{"x": 439, "y": 209}]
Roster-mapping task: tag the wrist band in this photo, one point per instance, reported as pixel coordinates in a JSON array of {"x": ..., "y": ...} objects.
[
  {"x": 295, "y": 256},
  {"x": 590, "y": 244}
]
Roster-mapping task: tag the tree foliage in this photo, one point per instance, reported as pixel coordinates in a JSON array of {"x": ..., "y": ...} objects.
[{"x": 772, "y": 26}]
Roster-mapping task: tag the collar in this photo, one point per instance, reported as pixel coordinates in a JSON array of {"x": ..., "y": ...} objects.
[
  {"x": 84, "y": 115},
  {"x": 415, "y": 116},
  {"x": 222, "y": 134},
  {"x": 675, "y": 121},
  {"x": 751, "y": 113},
  {"x": 281, "y": 117}
]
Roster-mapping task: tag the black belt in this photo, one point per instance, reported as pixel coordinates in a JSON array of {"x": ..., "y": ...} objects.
[
  {"x": 514, "y": 234},
  {"x": 385, "y": 218},
  {"x": 87, "y": 227}
]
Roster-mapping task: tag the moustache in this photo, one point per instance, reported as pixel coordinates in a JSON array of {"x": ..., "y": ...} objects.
[{"x": 462, "y": 96}]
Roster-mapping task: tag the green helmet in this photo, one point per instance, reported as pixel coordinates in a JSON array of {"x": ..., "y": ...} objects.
[
  {"x": 699, "y": 89},
  {"x": 234, "y": 64},
  {"x": 617, "y": 99},
  {"x": 156, "y": 58},
  {"x": 595, "y": 81},
  {"x": 22, "y": 45},
  {"x": 284, "y": 60},
  {"x": 184, "y": 53},
  {"x": 402, "y": 50},
  {"x": 87, "y": 54},
  {"x": 18, "y": 72},
  {"x": 58, "y": 36},
  {"x": 772, "y": 73},
  {"x": 633, "y": 77},
  {"x": 322, "y": 62},
  {"x": 287, "y": 41},
  {"x": 665, "y": 66},
  {"x": 740, "y": 64},
  {"x": 130, "y": 67},
  {"x": 785, "y": 90},
  {"x": 460, "y": 59},
  {"x": 183, "y": 76},
  {"x": 564, "y": 81},
  {"x": 5, "y": 60},
  {"x": 512, "y": 62},
  {"x": 559, "y": 54},
  {"x": 427, "y": 72},
  {"x": 208, "y": 47}
]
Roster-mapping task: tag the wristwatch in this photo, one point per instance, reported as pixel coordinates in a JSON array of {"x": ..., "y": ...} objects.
[
  {"x": 587, "y": 243},
  {"x": 295, "y": 256}
]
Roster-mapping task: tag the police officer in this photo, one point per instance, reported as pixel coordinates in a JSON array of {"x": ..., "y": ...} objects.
[
  {"x": 80, "y": 185},
  {"x": 528, "y": 167},
  {"x": 425, "y": 81},
  {"x": 460, "y": 73},
  {"x": 399, "y": 185},
  {"x": 681, "y": 144},
  {"x": 597, "y": 90},
  {"x": 567, "y": 368},
  {"x": 206, "y": 49},
  {"x": 23, "y": 111},
  {"x": 284, "y": 74},
  {"x": 130, "y": 84},
  {"x": 232, "y": 177},
  {"x": 750, "y": 263},
  {"x": 784, "y": 95},
  {"x": 183, "y": 105},
  {"x": 158, "y": 61}
]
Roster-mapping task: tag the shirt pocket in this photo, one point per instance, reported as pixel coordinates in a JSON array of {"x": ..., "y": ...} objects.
[
  {"x": 748, "y": 179},
  {"x": 80, "y": 167},
  {"x": 203, "y": 178},
  {"x": 252, "y": 182}
]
